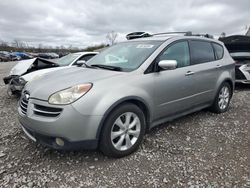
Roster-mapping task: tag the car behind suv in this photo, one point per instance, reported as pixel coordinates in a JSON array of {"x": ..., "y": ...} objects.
[
  {"x": 125, "y": 90},
  {"x": 239, "y": 48}
]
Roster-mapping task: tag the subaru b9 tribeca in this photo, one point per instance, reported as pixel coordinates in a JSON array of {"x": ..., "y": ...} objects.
[{"x": 126, "y": 90}]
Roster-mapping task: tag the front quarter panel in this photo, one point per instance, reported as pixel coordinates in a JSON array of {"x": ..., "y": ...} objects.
[{"x": 108, "y": 93}]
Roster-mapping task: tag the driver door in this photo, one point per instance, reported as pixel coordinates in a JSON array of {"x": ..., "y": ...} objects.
[{"x": 174, "y": 88}]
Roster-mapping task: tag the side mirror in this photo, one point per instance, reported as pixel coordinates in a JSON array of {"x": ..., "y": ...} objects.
[
  {"x": 168, "y": 64},
  {"x": 80, "y": 62}
]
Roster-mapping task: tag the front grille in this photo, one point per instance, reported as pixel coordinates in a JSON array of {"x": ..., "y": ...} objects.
[
  {"x": 24, "y": 104},
  {"x": 24, "y": 101},
  {"x": 238, "y": 74},
  {"x": 46, "y": 111}
]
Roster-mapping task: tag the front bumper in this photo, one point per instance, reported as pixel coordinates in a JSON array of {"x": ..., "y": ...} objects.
[
  {"x": 50, "y": 141},
  {"x": 7, "y": 79},
  {"x": 75, "y": 129},
  {"x": 16, "y": 84}
]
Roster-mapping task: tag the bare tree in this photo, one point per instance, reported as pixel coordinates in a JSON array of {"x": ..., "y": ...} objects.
[
  {"x": 3, "y": 43},
  {"x": 111, "y": 37},
  {"x": 222, "y": 35},
  {"x": 17, "y": 43}
]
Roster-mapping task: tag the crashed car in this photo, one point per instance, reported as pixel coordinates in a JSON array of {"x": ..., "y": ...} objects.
[
  {"x": 28, "y": 70},
  {"x": 239, "y": 49}
]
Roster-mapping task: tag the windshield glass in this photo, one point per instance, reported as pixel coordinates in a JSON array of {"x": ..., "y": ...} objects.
[
  {"x": 127, "y": 56},
  {"x": 66, "y": 60}
]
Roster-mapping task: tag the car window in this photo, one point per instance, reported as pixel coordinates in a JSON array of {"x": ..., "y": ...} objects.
[
  {"x": 179, "y": 52},
  {"x": 87, "y": 57},
  {"x": 127, "y": 56},
  {"x": 67, "y": 60},
  {"x": 219, "y": 51},
  {"x": 201, "y": 52}
]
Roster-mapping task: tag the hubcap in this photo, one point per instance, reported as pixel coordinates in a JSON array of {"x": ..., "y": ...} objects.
[
  {"x": 125, "y": 131},
  {"x": 224, "y": 97}
]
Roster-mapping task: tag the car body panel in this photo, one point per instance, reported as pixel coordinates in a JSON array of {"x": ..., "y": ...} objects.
[
  {"x": 36, "y": 74},
  {"x": 22, "y": 66},
  {"x": 166, "y": 94}
]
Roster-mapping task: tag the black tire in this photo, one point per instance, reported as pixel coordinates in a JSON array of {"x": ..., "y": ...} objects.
[
  {"x": 216, "y": 107},
  {"x": 106, "y": 145}
]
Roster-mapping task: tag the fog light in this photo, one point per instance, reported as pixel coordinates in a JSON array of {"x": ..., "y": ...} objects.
[{"x": 59, "y": 142}]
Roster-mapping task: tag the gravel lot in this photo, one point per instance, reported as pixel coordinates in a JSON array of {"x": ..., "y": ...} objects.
[{"x": 199, "y": 150}]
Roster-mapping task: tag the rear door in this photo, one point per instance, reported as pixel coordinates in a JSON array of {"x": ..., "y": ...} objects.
[{"x": 206, "y": 68}]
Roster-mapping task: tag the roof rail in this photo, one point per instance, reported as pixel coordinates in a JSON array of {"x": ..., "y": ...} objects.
[
  {"x": 136, "y": 35},
  {"x": 186, "y": 33}
]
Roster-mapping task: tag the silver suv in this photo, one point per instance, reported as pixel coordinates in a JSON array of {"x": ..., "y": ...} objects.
[{"x": 126, "y": 90}]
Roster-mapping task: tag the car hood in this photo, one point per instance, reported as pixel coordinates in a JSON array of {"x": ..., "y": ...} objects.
[
  {"x": 52, "y": 82},
  {"x": 37, "y": 74},
  {"x": 24, "y": 65}
]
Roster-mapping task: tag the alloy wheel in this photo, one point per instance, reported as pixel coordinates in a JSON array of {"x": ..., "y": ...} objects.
[
  {"x": 224, "y": 98},
  {"x": 125, "y": 131}
]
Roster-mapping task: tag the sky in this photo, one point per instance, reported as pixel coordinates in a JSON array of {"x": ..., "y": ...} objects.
[{"x": 83, "y": 23}]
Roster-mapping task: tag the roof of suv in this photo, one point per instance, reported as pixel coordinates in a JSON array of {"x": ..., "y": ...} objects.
[
  {"x": 144, "y": 36},
  {"x": 165, "y": 38}
]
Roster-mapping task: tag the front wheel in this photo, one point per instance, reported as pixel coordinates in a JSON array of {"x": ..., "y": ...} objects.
[
  {"x": 222, "y": 99},
  {"x": 123, "y": 131}
]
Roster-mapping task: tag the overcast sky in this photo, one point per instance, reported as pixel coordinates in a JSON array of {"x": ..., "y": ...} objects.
[{"x": 86, "y": 22}]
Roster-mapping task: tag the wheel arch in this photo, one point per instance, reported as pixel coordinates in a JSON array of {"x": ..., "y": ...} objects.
[
  {"x": 141, "y": 103},
  {"x": 231, "y": 83}
]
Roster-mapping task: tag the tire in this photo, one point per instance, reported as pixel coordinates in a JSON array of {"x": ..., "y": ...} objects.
[
  {"x": 223, "y": 98},
  {"x": 124, "y": 123}
]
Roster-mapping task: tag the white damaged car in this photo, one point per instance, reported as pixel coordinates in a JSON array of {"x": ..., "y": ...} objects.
[{"x": 27, "y": 70}]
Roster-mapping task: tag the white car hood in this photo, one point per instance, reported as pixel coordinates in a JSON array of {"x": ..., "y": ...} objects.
[
  {"x": 37, "y": 74},
  {"x": 22, "y": 66}
]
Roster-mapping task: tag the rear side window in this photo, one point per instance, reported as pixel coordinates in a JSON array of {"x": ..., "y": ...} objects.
[
  {"x": 219, "y": 51},
  {"x": 179, "y": 52},
  {"x": 201, "y": 52}
]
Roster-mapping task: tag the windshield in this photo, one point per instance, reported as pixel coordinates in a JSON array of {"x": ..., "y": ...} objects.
[
  {"x": 66, "y": 60},
  {"x": 126, "y": 56}
]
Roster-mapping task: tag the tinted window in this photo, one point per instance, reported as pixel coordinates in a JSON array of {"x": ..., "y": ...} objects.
[
  {"x": 218, "y": 50},
  {"x": 179, "y": 52},
  {"x": 201, "y": 52},
  {"x": 87, "y": 57}
]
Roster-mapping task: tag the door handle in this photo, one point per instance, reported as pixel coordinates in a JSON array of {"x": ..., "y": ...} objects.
[
  {"x": 189, "y": 73},
  {"x": 218, "y": 66}
]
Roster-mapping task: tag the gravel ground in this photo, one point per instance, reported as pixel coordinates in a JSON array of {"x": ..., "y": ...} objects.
[{"x": 199, "y": 150}]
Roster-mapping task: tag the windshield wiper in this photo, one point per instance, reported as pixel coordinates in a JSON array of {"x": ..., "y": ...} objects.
[{"x": 109, "y": 67}]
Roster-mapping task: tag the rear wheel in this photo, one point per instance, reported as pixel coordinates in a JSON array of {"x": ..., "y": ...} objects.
[
  {"x": 222, "y": 99},
  {"x": 123, "y": 131}
]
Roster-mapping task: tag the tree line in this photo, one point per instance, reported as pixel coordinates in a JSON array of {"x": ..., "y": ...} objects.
[{"x": 22, "y": 46}]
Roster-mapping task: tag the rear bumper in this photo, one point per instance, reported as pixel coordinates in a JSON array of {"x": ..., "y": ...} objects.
[
  {"x": 50, "y": 141},
  {"x": 242, "y": 81},
  {"x": 242, "y": 74}
]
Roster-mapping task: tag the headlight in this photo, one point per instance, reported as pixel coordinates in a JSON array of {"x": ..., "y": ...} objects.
[{"x": 69, "y": 95}]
